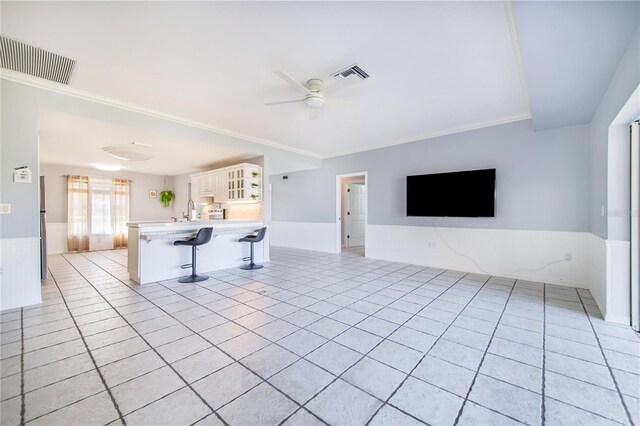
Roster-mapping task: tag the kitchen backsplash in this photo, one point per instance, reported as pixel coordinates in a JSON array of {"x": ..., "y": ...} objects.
[{"x": 251, "y": 211}]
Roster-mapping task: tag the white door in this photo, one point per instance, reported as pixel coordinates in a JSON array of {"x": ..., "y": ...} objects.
[{"x": 356, "y": 208}]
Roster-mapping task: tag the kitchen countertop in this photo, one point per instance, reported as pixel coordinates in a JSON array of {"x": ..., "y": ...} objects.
[{"x": 221, "y": 223}]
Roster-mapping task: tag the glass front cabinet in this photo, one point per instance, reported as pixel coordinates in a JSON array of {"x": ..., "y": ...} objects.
[{"x": 244, "y": 183}]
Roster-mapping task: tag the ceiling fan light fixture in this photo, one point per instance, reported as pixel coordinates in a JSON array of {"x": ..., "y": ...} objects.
[
  {"x": 127, "y": 154},
  {"x": 315, "y": 101}
]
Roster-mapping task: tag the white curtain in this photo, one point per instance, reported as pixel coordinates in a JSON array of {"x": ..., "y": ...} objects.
[
  {"x": 78, "y": 213},
  {"x": 120, "y": 195}
]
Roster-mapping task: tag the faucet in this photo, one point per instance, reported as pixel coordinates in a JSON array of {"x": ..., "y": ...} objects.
[{"x": 191, "y": 205}]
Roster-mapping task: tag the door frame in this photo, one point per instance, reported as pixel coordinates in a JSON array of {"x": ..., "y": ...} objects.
[
  {"x": 634, "y": 223},
  {"x": 338, "y": 223}
]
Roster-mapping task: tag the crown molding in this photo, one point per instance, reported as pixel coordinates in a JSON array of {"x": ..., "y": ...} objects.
[
  {"x": 452, "y": 131},
  {"x": 39, "y": 83},
  {"x": 20, "y": 78}
]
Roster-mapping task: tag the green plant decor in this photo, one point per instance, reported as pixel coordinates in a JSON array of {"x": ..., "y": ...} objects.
[
  {"x": 254, "y": 185},
  {"x": 254, "y": 196},
  {"x": 254, "y": 174},
  {"x": 166, "y": 197}
]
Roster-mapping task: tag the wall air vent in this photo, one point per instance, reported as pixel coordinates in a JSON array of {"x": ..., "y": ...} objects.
[
  {"x": 17, "y": 56},
  {"x": 352, "y": 70}
]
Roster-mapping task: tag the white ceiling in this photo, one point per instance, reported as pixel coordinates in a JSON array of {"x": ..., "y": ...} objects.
[
  {"x": 435, "y": 67},
  {"x": 559, "y": 40},
  {"x": 78, "y": 141}
]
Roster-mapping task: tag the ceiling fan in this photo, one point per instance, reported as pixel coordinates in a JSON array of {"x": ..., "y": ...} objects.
[{"x": 315, "y": 93}]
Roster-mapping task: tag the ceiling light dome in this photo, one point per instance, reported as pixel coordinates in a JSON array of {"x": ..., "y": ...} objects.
[
  {"x": 127, "y": 153},
  {"x": 315, "y": 101}
]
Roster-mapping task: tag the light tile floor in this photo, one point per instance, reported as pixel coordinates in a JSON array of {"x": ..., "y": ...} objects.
[{"x": 313, "y": 339}]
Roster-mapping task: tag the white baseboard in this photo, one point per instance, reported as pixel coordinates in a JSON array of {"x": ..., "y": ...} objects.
[
  {"x": 618, "y": 282},
  {"x": 19, "y": 272},
  {"x": 303, "y": 235},
  {"x": 528, "y": 255},
  {"x": 56, "y": 238}
]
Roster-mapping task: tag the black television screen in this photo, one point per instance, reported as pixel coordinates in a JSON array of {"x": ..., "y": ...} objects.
[{"x": 455, "y": 194}]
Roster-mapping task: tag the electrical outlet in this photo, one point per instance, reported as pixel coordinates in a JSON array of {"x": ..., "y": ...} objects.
[
  {"x": 5, "y": 208},
  {"x": 568, "y": 256},
  {"x": 432, "y": 244}
]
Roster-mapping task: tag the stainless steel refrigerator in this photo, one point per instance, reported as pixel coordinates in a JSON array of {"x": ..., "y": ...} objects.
[{"x": 44, "y": 271}]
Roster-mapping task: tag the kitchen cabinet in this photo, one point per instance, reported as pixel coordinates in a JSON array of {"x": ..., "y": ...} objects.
[
  {"x": 242, "y": 182},
  {"x": 206, "y": 185},
  {"x": 220, "y": 186}
]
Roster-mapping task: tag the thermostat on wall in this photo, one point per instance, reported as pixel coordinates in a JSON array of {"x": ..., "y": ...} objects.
[{"x": 22, "y": 174}]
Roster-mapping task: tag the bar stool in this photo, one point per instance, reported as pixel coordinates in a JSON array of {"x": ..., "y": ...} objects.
[
  {"x": 203, "y": 237},
  {"x": 253, "y": 239}
]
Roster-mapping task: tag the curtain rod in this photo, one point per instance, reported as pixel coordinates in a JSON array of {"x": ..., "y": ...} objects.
[{"x": 97, "y": 178}]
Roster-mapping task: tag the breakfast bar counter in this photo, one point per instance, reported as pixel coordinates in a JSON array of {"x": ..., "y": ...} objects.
[{"x": 153, "y": 257}]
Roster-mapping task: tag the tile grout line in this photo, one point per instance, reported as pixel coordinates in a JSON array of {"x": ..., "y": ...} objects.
[
  {"x": 303, "y": 328},
  {"x": 248, "y": 330},
  {"x": 170, "y": 342},
  {"x": 152, "y": 348},
  {"x": 484, "y": 354},
  {"x": 451, "y": 285},
  {"x": 289, "y": 281},
  {"x": 285, "y": 336},
  {"x": 606, "y": 361},
  {"x": 386, "y": 402},
  {"x": 214, "y": 345},
  {"x": 104, "y": 383},
  {"x": 338, "y": 376}
]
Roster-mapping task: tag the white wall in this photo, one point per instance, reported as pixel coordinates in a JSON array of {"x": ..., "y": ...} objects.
[
  {"x": 304, "y": 235},
  {"x": 20, "y": 231}
]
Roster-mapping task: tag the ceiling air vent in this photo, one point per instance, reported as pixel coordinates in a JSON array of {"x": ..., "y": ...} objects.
[
  {"x": 17, "y": 56},
  {"x": 352, "y": 70}
]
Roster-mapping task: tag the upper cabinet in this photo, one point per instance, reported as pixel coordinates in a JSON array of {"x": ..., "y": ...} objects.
[{"x": 242, "y": 182}]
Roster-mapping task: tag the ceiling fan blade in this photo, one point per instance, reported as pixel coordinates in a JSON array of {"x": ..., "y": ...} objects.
[
  {"x": 313, "y": 113},
  {"x": 343, "y": 102},
  {"x": 340, "y": 84},
  {"x": 293, "y": 82},
  {"x": 284, "y": 102}
]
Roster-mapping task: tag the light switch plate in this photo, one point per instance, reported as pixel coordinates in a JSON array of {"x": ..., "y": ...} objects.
[{"x": 5, "y": 208}]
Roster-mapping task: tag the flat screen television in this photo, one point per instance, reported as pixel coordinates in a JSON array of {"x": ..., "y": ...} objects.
[{"x": 456, "y": 194}]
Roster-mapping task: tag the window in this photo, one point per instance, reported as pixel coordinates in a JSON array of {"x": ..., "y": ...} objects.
[
  {"x": 98, "y": 212},
  {"x": 100, "y": 206}
]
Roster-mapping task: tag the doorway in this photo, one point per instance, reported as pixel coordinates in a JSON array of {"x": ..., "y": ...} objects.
[{"x": 351, "y": 213}]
